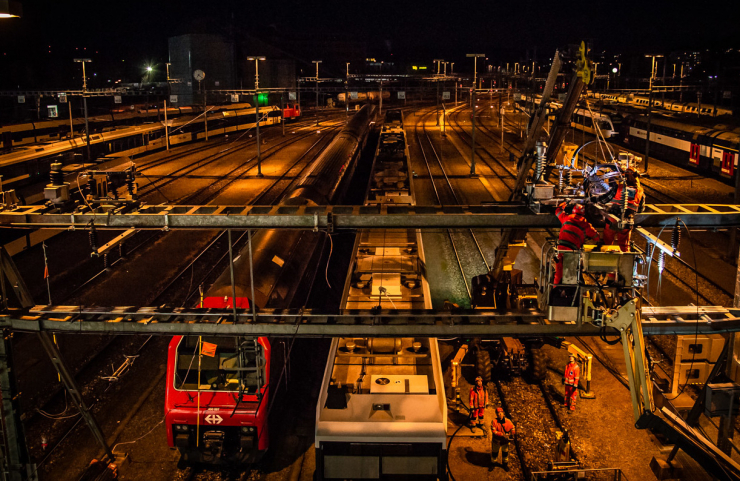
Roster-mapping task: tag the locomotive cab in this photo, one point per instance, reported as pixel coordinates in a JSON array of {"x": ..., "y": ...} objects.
[{"x": 216, "y": 398}]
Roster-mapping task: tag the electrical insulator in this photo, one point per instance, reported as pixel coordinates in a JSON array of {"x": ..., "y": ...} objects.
[
  {"x": 56, "y": 175},
  {"x": 93, "y": 239},
  {"x": 625, "y": 199},
  {"x": 675, "y": 237},
  {"x": 661, "y": 261}
]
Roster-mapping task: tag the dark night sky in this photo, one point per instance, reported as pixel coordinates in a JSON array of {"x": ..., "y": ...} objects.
[{"x": 136, "y": 30}]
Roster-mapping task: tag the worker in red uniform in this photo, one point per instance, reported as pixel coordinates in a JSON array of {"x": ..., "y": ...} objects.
[
  {"x": 570, "y": 379},
  {"x": 502, "y": 433},
  {"x": 478, "y": 402},
  {"x": 631, "y": 191},
  {"x": 576, "y": 229}
]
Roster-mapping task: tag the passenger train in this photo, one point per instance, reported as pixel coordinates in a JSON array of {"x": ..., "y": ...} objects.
[
  {"x": 216, "y": 404},
  {"x": 699, "y": 146},
  {"x": 26, "y": 164},
  {"x": 587, "y": 121},
  {"x": 711, "y": 150},
  {"x": 382, "y": 408},
  {"x": 659, "y": 103},
  {"x": 365, "y": 96}
]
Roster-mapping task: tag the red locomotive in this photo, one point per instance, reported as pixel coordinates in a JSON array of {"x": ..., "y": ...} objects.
[
  {"x": 216, "y": 406},
  {"x": 291, "y": 111}
]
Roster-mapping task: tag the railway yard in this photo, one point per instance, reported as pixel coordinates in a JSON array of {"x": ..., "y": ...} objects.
[{"x": 276, "y": 293}]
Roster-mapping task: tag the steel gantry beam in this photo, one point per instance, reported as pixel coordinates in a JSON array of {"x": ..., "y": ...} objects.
[
  {"x": 503, "y": 215},
  {"x": 380, "y": 323}
]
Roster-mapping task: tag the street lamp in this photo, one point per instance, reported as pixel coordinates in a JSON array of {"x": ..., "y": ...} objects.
[
  {"x": 10, "y": 9},
  {"x": 317, "y": 62},
  {"x": 346, "y": 96},
  {"x": 83, "y": 61},
  {"x": 257, "y": 110},
  {"x": 438, "y": 61},
  {"x": 472, "y": 105},
  {"x": 380, "y": 108},
  {"x": 652, "y": 70}
]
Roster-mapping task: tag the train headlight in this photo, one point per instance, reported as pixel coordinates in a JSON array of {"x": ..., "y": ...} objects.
[
  {"x": 181, "y": 427},
  {"x": 248, "y": 429}
]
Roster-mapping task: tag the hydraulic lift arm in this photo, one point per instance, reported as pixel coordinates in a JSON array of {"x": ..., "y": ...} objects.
[
  {"x": 582, "y": 76},
  {"x": 627, "y": 321}
]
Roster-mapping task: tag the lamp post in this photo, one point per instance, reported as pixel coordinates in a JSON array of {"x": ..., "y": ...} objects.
[
  {"x": 257, "y": 110},
  {"x": 472, "y": 105},
  {"x": 652, "y": 70},
  {"x": 346, "y": 96},
  {"x": 83, "y": 61},
  {"x": 317, "y": 62},
  {"x": 380, "y": 109},
  {"x": 438, "y": 61}
]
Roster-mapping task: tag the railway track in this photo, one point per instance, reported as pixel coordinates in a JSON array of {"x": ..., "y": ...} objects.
[
  {"x": 460, "y": 240},
  {"x": 210, "y": 261},
  {"x": 529, "y": 405}
]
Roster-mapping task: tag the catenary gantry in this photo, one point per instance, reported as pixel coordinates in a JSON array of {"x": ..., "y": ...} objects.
[{"x": 491, "y": 216}]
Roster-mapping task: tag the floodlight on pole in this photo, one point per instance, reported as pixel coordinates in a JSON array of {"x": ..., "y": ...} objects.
[
  {"x": 10, "y": 9},
  {"x": 83, "y": 61},
  {"x": 317, "y": 62},
  {"x": 346, "y": 95},
  {"x": 438, "y": 61},
  {"x": 257, "y": 110},
  {"x": 472, "y": 106},
  {"x": 652, "y": 70},
  {"x": 256, "y": 70}
]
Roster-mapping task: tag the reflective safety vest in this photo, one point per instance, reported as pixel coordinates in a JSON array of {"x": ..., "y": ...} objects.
[
  {"x": 576, "y": 229},
  {"x": 478, "y": 398},
  {"x": 635, "y": 197},
  {"x": 572, "y": 374},
  {"x": 501, "y": 428}
]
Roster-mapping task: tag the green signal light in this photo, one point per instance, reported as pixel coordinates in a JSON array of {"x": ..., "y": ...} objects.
[{"x": 262, "y": 99}]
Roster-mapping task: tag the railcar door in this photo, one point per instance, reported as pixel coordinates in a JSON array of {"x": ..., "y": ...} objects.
[
  {"x": 728, "y": 163},
  {"x": 694, "y": 154}
]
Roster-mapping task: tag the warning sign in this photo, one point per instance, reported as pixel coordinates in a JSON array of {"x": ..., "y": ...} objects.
[
  {"x": 208, "y": 349},
  {"x": 445, "y": 96},
  {"x": 401, "y": 95}
]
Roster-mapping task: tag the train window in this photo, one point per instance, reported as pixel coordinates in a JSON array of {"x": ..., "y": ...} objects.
[{"x": 220, "y": 372}]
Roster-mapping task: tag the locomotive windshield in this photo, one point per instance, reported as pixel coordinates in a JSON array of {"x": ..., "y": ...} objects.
[{"x": 226, "y": 364}]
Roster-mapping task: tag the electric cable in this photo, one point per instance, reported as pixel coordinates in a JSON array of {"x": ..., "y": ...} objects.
[{"x": 696, "y": 331}]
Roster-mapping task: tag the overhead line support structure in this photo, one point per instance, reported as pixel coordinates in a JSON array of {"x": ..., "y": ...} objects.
[{"x": 494, "y": 216}]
